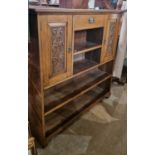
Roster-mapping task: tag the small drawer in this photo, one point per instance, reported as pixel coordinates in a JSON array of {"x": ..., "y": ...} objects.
[{"x": 88, "y": 21}]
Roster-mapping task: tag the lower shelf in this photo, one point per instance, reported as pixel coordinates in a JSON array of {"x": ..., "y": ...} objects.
[
  {"x": 58, "y": 119},
  {"x": 62, "y": 94}
]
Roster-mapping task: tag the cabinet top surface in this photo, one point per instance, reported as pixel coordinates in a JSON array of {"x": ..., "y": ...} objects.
[{"x": 47, "y": 9}]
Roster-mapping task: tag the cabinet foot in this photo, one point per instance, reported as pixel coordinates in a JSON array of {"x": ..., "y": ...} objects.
[{"x": 107, "y": 95}]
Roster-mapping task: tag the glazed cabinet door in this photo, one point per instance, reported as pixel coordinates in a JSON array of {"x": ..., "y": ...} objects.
[
  {"x": 110, "y": 39},
  {"x": 56, "y": 48}
]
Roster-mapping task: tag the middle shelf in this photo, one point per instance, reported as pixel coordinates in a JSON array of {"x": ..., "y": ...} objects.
[
  {"x": 86, "y": 47},
  {"x": 85, "y": 61}
]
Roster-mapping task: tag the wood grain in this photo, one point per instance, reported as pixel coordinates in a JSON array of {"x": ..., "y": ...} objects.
[
  {"x": 35, "y": 81},
  {"x": 47, "y": 9}
]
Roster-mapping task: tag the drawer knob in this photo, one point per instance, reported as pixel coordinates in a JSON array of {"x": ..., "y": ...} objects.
[{"x": 91, "y": 20}]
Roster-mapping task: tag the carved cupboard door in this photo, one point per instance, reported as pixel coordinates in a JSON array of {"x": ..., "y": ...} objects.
[
  {"x": 57, "y": 52},
  {"x": 110, "y": 40}
]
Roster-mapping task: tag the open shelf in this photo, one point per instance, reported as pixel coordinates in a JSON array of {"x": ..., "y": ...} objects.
[
  {"x": 67, "y": 113},
  {"x": 87, "y": 40},
  {"x": 85, "y": 61},
  {"x": 61, "y": 94}
]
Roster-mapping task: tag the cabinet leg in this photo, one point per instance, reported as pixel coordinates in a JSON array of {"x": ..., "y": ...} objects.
[
  {"x": 44, "y": 144},
  {"x": 119, "y": 81},
  {"x": 34, "y": 151}
]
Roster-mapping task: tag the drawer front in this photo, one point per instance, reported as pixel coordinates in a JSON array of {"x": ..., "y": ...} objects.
[{"x": 87, "y": 21}]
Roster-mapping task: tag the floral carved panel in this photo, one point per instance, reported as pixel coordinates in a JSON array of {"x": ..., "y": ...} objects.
[
  {"x": 111, "y": 38},
  {"x": 58, "y": 49}
]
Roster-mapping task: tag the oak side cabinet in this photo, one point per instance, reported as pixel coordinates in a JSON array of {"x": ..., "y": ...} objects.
[{"x": 71, "y": 55}]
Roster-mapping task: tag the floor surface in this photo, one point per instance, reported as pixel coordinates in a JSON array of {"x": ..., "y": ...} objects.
[{"x": 101, "y": 131}]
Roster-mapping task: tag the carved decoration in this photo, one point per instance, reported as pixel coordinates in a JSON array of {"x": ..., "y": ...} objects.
[
  {"x": 58, "y": 49},
  {"x": 111, "y": 38}
]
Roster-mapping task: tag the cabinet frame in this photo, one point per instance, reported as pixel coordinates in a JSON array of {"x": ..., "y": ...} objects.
[{"x": 46, "y": 18}]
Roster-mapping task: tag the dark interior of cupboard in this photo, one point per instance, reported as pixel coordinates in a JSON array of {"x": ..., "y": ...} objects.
[
  {"x": 87, "y": 48},
  {"x": 85, "y": 61}
]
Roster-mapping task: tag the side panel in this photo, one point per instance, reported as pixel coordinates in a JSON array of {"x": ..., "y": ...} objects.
[{"x": 35, "y": 91}]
